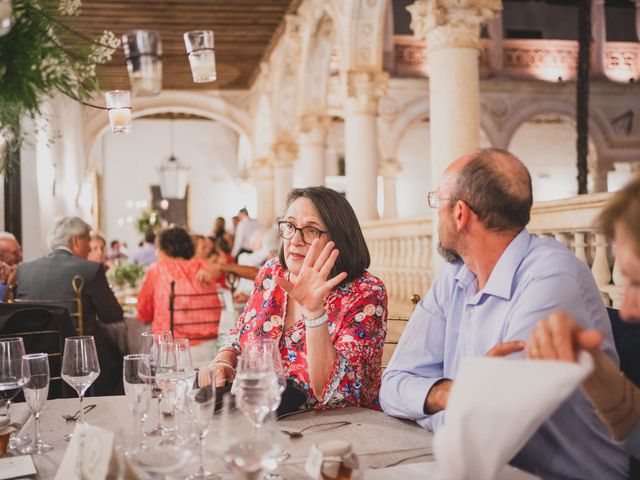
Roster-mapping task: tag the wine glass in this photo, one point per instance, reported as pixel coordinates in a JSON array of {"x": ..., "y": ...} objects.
[
  {"x": 255, "y": 384},
  {"x": 270, "y": 350},
  {"x": 80, "y": 365},
  {"x": 149, "y": 343},
  {"x": 185, "y": 376},
  {"x": 35, "y": 369},
  {"x": 136, "y": 375},
  {"x": 11, "y": 378},
  {"x": 201, "y": 404},
  {"x": 248, "y": 451}
]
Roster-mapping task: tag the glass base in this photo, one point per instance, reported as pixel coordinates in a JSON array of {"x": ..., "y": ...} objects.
[
  {"x": 204, "y": 475},
  {"x": 17, "y": 442},
  {"x": 36, "y": 449}
]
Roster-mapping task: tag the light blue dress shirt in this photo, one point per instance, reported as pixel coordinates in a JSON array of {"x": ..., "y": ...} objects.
[{"x": 533, "y": 278}]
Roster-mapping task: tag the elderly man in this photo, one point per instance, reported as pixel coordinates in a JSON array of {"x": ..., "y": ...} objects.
[
  {"x": 10, "y": 257},
  {"x": 498, "y": 283},
  {"x": 50, "y": 277}
]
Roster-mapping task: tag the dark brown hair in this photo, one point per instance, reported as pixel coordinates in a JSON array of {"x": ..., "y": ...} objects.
[
  {"x": 343, "y": 229},
  {"x": 176, "y": 243},
  {"x": 623, "y": 210}
]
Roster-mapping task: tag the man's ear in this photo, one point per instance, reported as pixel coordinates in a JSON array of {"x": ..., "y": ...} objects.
[{"x": 462, "y": 214}]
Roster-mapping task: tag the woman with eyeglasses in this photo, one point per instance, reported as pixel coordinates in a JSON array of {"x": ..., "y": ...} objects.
[{"x": 319, "y": 302}]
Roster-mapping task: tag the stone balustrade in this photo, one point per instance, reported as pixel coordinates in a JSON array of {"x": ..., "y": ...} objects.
[{"x": 401, "y": 250}]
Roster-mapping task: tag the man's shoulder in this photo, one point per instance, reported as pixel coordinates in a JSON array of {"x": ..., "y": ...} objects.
[{"x": 547, "y": 255}]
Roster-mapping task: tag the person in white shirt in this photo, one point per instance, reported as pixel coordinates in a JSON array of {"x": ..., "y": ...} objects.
[{"x": 245, "y": 229}]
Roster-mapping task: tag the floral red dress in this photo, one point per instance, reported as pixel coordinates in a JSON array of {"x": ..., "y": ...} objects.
[{"x": 357, "y": 324}]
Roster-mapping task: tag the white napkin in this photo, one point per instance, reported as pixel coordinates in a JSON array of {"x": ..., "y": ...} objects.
[
  {"x": 495, "y": 406},
  {"x": 431, "y": 471}
]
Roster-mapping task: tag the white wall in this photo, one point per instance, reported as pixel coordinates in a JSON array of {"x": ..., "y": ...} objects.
[{"x": 130, "y": 167}]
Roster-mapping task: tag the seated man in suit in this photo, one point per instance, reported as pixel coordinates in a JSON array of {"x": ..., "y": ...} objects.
[{"x": 50, "y": 277}]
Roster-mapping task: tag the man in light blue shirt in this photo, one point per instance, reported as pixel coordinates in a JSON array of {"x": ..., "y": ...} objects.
[{"x": 498, "y": 283}]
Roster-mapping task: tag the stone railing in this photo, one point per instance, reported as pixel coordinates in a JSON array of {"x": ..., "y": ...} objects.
[
  {"x": 401, "y": 257},
  {"x": 401, "y": 250},
  {"x": 550, "y": 60}
]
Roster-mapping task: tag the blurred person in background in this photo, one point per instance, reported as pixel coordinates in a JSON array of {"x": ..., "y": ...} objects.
[{"x": 146, "y": 255}]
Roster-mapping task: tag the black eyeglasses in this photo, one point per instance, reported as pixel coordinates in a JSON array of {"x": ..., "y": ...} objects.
[{"x": 308, "y": 234}]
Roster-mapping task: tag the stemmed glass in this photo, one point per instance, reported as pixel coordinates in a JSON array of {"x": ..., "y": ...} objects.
[
  {"x": 269, "y": 349},
  {"x": 202, "y": 402},
  {"x": 11, "y": 377},
  {"x": 35, "y": 369},
  {"x": 255, "y": 386},
  {"x": 136, "y": 375},
  {"x": 149, "y": 345},
  {"x": 80, "y": 365}
]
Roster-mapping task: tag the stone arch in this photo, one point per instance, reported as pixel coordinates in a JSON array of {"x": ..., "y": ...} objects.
[
  {"x": 214, "y": 108},
  {"x": 363, "y": 41}
]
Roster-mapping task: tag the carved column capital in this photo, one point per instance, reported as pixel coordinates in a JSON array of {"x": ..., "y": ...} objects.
[
  {"x": 315, "y": 122},
  {"x": 451, "y": 23},
  {"x": 262, "y": 168},
  {"x": 389, "y": 168},
  {"x": 364, "y": 88},
  {"x": 285, "y": 152}
]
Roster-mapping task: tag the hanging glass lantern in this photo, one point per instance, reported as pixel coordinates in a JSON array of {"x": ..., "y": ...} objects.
[
  {"x": 173, "y": 175},
  {"x": 202, "y": 57},
  {"x": 143, "y": 51}
]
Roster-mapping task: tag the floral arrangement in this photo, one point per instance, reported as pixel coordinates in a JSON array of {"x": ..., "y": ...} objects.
[
  {"x": 150, "y": 220},
  {"x": 122, "y": 274},
  {"x": 40, "y": 56}
]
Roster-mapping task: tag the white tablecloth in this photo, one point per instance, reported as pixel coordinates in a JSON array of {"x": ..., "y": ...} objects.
[{"x": 377, "y": 438}]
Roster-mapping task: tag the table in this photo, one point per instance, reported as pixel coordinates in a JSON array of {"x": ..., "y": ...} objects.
[{"x": 377, "y": 438}]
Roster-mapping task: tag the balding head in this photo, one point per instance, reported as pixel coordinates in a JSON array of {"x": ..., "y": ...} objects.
[
  {"x": 496, "y": 185},
  {"x": 10, "y": 249}
]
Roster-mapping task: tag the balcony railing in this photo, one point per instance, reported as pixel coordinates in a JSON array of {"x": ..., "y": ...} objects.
[
  {"x": 550, "y": 60},
  {"x": 401, "y": 250}
]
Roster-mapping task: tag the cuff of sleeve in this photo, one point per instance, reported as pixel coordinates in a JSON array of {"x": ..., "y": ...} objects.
[
  {"x": 410, "y": 395},
  {"x": 631, "y": 444}
]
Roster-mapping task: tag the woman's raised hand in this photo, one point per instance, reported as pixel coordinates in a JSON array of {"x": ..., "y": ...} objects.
[{"x": 312, "y": 284}]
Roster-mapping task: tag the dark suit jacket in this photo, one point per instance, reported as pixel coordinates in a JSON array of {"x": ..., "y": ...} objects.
[{"x": 49, "y": 278}]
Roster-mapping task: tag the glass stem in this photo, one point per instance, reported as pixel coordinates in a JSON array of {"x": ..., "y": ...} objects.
[
  {"x": 36, "y": 430},
  {"x": 159, "y": 414},
  {"x": 202, "y": 452},
  {"x": 81, "y": 409}
]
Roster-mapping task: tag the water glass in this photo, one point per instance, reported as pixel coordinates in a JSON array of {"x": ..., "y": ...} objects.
[
  {"x": 119, "y": 109},
  {"x": 35, "y": 369},
  {"x": 201, "y": 405},
  {"x": 255, "y": 386},
  {"x": 149, "y": 344},
  {"x": 136, "y": 376},
  {"x": 202, "y": 58},
  {"x": 11, "y": 378},
  {"x": 143, "y": 51},
  {"x": 80, "y": 365}
]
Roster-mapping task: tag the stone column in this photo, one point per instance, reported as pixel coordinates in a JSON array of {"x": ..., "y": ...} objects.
[
  {"x": 599, "y": 33},
  {"x": 389, "y": 170},
  {"x": 285, "y": 151},
  {"x": 262, "y": 176},
  {"x": 496, "y": 45},
  {"x": 364, "y": 88},
  {"x": 313, "y": 144},
  {"x": 451, "y": 30}
]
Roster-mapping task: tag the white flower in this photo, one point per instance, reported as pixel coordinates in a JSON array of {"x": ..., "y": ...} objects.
[
  {"x": 369, "y": 309},
  {"x": 295, "y": 337},
  {"x": 267, "y": 326},
  {"x": 347, "y": 338},
  {"x": 267, "y": 283},
  {"x": 379, "y": 310},
  {"x": 69, "y": 7},
  {"x": 359, "y": 317}
]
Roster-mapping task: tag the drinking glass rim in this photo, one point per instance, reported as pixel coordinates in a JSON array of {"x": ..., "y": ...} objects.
[
  {"x": 136, "y": 356},
  {"x": 31, "y": 356},
  {"x": 78, "y": 337},
  {"x": 11, "y": 339}
]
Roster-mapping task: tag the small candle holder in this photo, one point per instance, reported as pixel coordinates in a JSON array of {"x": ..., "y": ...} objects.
[
  {"x": 202, "y": 57},
  {"x": 119, "y": 109},
  {"x": 143, "y": 51}
]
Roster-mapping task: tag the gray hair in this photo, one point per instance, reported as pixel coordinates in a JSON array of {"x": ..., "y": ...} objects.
[
  {"x": 7, "y": 236},
  {"x": 63, "y": 228}
]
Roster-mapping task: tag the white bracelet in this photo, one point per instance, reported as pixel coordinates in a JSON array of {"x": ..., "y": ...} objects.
[{"x": 315, "y": 322}]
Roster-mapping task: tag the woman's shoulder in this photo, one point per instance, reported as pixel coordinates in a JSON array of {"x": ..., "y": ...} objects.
[
  {"x": 272, "y": 268},
  {"x": 365, "y": 285}
]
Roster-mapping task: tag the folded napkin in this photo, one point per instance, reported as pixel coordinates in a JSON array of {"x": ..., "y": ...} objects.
[
  {"x": 495, "y": 406},
  {"x": 431, "y": 471}
]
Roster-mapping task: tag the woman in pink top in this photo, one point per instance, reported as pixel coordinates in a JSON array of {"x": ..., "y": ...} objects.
[{"x": 175, "y": 263}]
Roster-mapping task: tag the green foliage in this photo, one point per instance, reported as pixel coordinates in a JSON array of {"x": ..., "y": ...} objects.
[
  {"x": 122, "y": 274},
  {"x": 41, "y": 56},
  {"x": 149, "y": 220}
]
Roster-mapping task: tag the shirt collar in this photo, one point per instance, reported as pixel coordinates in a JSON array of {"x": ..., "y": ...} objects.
[
  {"x": 64, "y": 249},
  {"x": 501, "y": 278}
]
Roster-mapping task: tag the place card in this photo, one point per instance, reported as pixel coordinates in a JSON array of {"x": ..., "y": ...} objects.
[
  {"x": 313, "y": 466},
  {"x": 13, "y": 467}
]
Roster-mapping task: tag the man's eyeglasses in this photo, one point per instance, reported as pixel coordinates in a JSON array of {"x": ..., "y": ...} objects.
[
  {"x": 434, "y": 200},
  {"x": 308, "y": 234}
]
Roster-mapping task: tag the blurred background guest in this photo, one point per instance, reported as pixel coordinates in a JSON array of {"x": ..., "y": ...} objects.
[
  {"x": 98, "y": 249},
  {"x": 116, "y": 252},
  {"x": 219, "y": 231},
  {"x": 176, "y": 263},
  {"x": 146, "y": 254},
  {"x": 10, "y": 256},
  {"x": 247, "y": 226}
]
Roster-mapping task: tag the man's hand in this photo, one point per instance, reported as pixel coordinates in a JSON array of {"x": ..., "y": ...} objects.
[
  {"x": 559, "y": 337},
  {"x": 438, "y": 396},
  {"x": 505, "y": 348}
]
